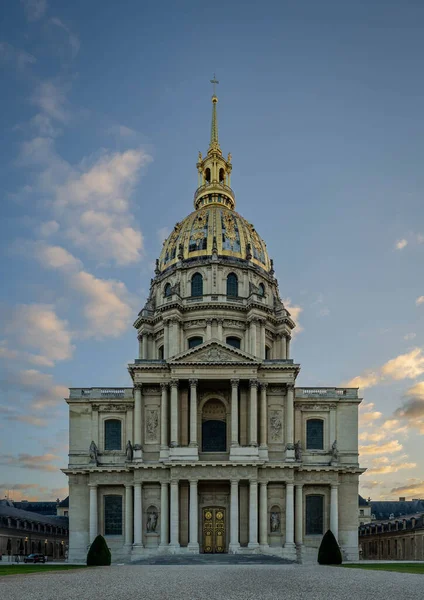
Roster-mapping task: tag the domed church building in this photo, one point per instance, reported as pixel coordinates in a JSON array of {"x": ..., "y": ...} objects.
[{"x": 212, "y": 449}]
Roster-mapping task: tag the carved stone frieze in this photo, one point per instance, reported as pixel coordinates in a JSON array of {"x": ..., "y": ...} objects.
[
  {"x": 276, "y": 425},
  {"x": 151, "y": 390},
  {"x": 109, "y": 407},
  {"x": 152, "y": 425},
  {"x": 314, "y": 407}
]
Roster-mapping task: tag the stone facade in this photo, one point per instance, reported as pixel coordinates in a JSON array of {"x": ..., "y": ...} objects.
[
  {"x": 394, "y": 539},
  {"x": 213, "y": 448}
]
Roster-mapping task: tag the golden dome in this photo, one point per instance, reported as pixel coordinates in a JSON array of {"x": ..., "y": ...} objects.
[{"x": 210, "y": 230}]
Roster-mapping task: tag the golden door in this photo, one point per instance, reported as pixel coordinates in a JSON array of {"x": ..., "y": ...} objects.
[{"x": 213, "y": 530}]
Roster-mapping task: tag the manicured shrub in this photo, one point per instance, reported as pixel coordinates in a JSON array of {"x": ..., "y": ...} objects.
[
  {"x": 99, "y": 554},
  {"x": 329, "y": 551}
]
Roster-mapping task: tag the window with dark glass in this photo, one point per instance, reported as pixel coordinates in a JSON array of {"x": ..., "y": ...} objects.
[
  {"x": 233, "y": 341},
  {"x": 261, "y": 289},
  {"x": 167, "y": 289},
  {"x": 315, "y": 434},
  {"x": 197, "y": 285},
  {"x": 314, "y": 515},
  {"x": 232, "y": 285},
  {"x": 112, "y": 434},
  {"x": 267, "y": 353},
  {"x": 195, "y": 341},
  {"x": 160, "y": 352},
  {"x": 214, "y": 436},
  {"x": 113, "y": 515}
]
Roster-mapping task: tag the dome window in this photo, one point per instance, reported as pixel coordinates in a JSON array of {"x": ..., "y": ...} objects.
[
  {"x": 221, "y": 176},
  {"x": 232, "y": 285},
  {"x": 261, "y": 289},
  {"x": 195, "y": 341},
  {"x": 207, "y": 176},
  {"x": 197, "y": 285},
  {"x": 167, "y": 290},
  {"x": 233, "y": 341}
]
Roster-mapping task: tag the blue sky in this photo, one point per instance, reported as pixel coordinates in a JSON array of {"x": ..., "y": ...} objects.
[{"x": 104, "y": 107}]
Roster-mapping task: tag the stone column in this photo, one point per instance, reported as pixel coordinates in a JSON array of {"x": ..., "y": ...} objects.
[
  {"x": 220, "y": 324},
  {"x": 298, "y": 532},
  {"x": 94, "y": 519},
  {"x": 263, "y": 507},
  {"x": 289, "y": 516},
  {"x": 264, "y": 416},
  {"x": 253, "y": 412},
  {"x": 164, "y": 514},
  {"x": 208, "y": 329},
  {"x": 137, "y": 415},
  {"x": 234, "y": 412},
  {"x": 194, "y": 513},
  {"x": 283, "y": 346},
  {"x": 289, "y": 422},
  {"x": 288, "y": 338},
  {"x": 164, "y": 417},
  {"x": 333, "y": 435},
  {"x": 193, "y": 412},
  {"x": 174, "y": 412},
  {"x": 175, "y": 514},
  {"x": 144, "y": 348},
  {"x": 128, "y": 515},
  {"x": 140, "y": 346},
  {"x": 253, "y": 514},
  {"x": 262, "y": 337},
  {"x": 138, "y": 515},
  {"x": 334, "y": 511},
  {"x": 165, "y": 338},
  {"x": 253, "y": 337},
  {"x": 234, "y": 517}
]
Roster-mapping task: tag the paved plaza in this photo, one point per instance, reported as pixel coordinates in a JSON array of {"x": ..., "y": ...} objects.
[{"x": 214, "y": 582}]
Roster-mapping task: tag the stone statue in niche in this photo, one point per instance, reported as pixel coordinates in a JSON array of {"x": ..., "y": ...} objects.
[
  {"x": 298, "y": 450},
  {"x": 334, "y": 451},
  {"x": 152, "y": 521},
  {"x": 275, "y": 522},
  {"x": 152, "y": 423},
  {"x": 93, "y": 451},
  {"x": 129, "y": 451},
  {"x": 275, "y": 425}
]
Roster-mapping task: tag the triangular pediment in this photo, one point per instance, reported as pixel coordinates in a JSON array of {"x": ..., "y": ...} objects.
[{"x": 213, "y": 351}]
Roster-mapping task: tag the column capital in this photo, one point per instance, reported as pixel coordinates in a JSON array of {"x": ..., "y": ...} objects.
[
  {"x": 263, "y": 483},
  {"x": 93, "y": 486},
  {"x": 193, "y": 481},
  {"x": 220, "y": 321},
  {"x": 253, "y": 383},
  {"x": 174, "y": 481},
  {"x": 253, "y": 480},
  {"x": 138, "y": 386},
  {"x": 174, "y": 382},
  {"x": 128, "y": 485},
  {"x": 289, "y": 484},
  {"x": 335, "y": 485},
  {"x": 234, "y": 481},
  {"x": 289, "y": 387},
  {"x": 288, "y": 336},
  {"x": 263, "y": 386},
  {"x": 193, "y": 382},
  {"x": 235, "y": 382},
  {"x": 209, "y": 321},
  {"x": 164, "y": 386},
  {"x": 299, "y": 485}
]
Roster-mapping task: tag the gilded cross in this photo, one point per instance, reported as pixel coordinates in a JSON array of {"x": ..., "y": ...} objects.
[{"x": 214, "y": 81}]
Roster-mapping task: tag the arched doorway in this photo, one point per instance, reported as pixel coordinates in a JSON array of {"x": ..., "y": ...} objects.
[{"x": 214, "y": 426}]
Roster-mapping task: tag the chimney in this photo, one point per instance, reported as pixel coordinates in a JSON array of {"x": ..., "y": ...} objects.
[{"x": 402, "y": 499}]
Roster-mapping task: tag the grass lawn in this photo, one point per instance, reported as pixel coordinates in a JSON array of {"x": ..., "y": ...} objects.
[
  {"x": 12, "y": 569},
  {"x": 399, "y": 568}
]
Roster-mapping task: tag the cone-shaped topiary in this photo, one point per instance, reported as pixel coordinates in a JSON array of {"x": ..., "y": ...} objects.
[
  {"x": 329, "y": 551},
  {"x": 98, "y": 554}
]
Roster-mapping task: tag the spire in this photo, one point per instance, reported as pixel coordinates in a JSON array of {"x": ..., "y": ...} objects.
[{"x": 214, "y": 143}]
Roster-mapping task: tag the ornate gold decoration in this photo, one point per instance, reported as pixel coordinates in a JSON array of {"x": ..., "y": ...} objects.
[{"x": 213, "y": 530}]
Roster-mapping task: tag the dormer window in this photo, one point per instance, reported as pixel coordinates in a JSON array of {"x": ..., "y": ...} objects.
[{"x": 207, "y": 175}]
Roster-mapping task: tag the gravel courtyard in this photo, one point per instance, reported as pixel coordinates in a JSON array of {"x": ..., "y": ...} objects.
[{"x": 213, "y": 582}]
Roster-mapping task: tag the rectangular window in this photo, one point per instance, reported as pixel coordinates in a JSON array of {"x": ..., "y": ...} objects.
[
  {"x": 314, "y": 515},
  {"x": 112, "y": 434},
  {"x": 315, "y": 434},
  {"x": 113, "y": 515}
]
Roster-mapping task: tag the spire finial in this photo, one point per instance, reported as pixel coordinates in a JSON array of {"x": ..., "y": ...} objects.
[{"x": 214, "y": 125}]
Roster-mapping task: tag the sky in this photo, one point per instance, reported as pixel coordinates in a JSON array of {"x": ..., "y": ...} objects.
[{"x": 103, "y": 110}]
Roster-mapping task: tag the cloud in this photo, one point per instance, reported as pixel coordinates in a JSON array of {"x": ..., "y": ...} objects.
[
  {"x": 55, "y": 257},
  {"x": 369, "y": 485},
  {"x": 29, "y": 461},
  {"x": 367, "y": 414},
  {"x": 33, "y": 492},
  {"x": 48, "y": 228},
  {"x": 11, "y": 55},
  {"x": 107, "y": 311},
  {"x": 294, "y": 311},
  {"x": 38, "y": 326},
  {"x": 387, "y": 448},
  {"x": 400, "y": 244},
  {"x": 50, "y": 97},
  {"x": 7, "y": 353},
  {"x": 419, "y": 300},
  {"x": 409, "y": 336},
  {"x": 414, "y": 489},
  {"x": 122, "y": 131},
  {"x": 74, "y": 41},
  {"x": 391, "y": 468},
  {"x": 404, "y": 366},
  {"x": 34, "y": 9},
  {"x": 36, "y": 390},
  {"x": 412, "y": 410}
]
